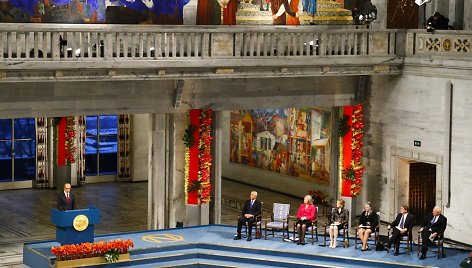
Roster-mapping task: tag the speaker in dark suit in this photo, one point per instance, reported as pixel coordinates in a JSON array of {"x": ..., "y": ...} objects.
[
  {"x": 402, "y": 224},
  {"x": 251, "y": 210},
  {"x": 66, "y": 199},
  {"x": 434, "y": 224}
]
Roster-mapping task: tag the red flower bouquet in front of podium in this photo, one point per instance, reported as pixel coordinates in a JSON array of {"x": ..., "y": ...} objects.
[{"x": 96, "y": 249}]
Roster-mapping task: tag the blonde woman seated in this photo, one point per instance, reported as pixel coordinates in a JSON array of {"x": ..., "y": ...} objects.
[
  {"x": 306, "y": 214},
  {"x": 367, "y": 223},
  {"x": 339, "y": 217}
]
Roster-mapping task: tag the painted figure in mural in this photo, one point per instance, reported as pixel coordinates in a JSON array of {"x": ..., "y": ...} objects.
[
  {"x": 274, "y": 7},
  {"x": 292, "y": 8},
  {"x": 310, "y": 6}
]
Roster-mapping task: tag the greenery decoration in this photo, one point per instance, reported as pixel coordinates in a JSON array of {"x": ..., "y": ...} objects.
[
  {"x": 188, "y": 138},
  {"x": 343, "y": 127}
]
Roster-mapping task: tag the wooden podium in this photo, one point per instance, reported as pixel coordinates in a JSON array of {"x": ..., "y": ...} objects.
[{"x": 75, "y": 226}]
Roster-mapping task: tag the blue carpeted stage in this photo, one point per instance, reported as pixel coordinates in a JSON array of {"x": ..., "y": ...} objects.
[{"x": 213, "y": 246}]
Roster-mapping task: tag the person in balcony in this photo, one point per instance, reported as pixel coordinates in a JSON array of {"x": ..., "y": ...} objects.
[
  {"x": 437, "y": 22},
  {"x": 339, "y": 217},
  {"x": 305, "y": 216}
]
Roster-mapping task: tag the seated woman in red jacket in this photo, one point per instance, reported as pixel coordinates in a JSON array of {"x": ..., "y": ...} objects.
[{"x": 306, "y": 214}]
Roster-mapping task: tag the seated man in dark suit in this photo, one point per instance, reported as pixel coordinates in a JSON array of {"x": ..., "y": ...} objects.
[
  {"x": 433, "y": 224},
  {"x": 66, "y": 199},
  {"x": 402, "y": 223},
  {"x": 249, "y": 213}
]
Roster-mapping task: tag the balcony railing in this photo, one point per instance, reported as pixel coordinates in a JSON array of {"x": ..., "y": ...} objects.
[{"x": 145, "y": 42}]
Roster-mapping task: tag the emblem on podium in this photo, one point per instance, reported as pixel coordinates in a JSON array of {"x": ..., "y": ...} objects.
[{"x": 80, "y": 222}]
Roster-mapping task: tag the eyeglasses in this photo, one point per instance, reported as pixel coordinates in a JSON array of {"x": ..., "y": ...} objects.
[{"x": 67, "y": 188}]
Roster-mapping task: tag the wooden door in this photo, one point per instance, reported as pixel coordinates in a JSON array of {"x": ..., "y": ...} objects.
[
  {"x": 402, "y": 14},
  {"x": 422, "y": 190}
]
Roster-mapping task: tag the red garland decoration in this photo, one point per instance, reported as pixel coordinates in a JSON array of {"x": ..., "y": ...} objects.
[
  {"x": 205, "y": 156},
  {"x": 198, "y": 159},
  {"x": 192, "y": 163},
  {"x": 352, "y": 152},
  {"x": 357, "y": 144},
  {"x": 66, "y": 141}
]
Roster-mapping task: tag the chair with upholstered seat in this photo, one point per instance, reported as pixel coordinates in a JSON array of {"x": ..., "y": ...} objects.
[
  {"x": 312, "y": 230},
  {"x": 279, "y": 220},
  {"x": 376, "y": 232},
  {"x": 343, "y": 231},
  {"x": 406, "y": 237},
  {"x": 256, "y": 224},
  {"x": 438, "y": 241}
]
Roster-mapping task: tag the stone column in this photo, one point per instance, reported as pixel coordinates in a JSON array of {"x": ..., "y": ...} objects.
[
  {"x": 157, "y": 171},
  {"x": 381, "y": 21},
  {"x": 217, "y": 132}
]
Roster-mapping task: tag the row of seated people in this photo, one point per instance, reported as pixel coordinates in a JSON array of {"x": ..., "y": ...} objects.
[{"x": 306, "y": 221}]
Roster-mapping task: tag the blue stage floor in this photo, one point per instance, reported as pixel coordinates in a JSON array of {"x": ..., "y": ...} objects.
[{"x": 213, "y": 246}]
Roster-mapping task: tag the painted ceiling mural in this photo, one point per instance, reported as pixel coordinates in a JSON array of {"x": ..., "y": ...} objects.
[
  {"x": 241, "y": 12},
  {"x": 294, "y": 142}
]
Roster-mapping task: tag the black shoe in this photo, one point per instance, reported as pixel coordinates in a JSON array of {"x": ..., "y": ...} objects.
[
  {"x": 298, "y": 242},
  {"x": 396, "y": 253},
  {"x": 249, "y": 238},
  {"x": 423, "y": 256},
  {"x": 237, "y": 237},
  {"x": 302, "y": 243}
]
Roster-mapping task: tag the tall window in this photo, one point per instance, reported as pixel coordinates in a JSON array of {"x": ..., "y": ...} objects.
[
  {"x": 101, "y": 145},
  {"x": 17, "y": 149}
]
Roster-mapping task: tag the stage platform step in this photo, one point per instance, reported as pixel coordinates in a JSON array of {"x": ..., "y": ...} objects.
[{"x": 213, "y": 246}]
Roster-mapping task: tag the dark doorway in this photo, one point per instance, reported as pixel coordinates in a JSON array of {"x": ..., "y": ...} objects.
[
  {"x": 402, "y": 14},
  {"x": 422, "y": 190}
]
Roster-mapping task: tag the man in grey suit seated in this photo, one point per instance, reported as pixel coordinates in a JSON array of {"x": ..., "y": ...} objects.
[
  {"x": 250, "y": 212},
  {"x": 434, "y": 224}
]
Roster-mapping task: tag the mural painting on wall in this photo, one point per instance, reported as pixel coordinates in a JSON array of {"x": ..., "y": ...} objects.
[
  {"x": 93, "y": 11},
  {"x": 241, "y": 12},
  {"x": 294, "y": 142}
]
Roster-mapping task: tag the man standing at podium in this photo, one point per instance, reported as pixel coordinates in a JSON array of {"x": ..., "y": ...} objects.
[{"x": 66, "y": 199}]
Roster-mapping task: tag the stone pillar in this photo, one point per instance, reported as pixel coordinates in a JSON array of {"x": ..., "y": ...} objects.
[
  {"x": 139, "y": 146},
  {"x": 467, "y": 14},
  {"x": 166, "y": 197},
  {"x": 217, "y": 132},
  {"x": 157, "y": 172},
  {"x": 381, "y": 21},
  {"x": 190, "y": 12}
]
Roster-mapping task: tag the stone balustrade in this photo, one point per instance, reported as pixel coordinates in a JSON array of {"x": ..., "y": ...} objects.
[{"x": 26, "y": 50}]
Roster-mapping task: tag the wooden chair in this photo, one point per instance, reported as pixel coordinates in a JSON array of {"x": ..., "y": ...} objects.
[
  {"x": 344, "y": 231},
  {"x": 438, "y": 241},
  {"x": 279, "y": 220},
  {"x": 257, "y": 225},
  {"x": 312, "y": 230},
  {"x": 376, "y": 232},
  {"x": 406, "y": 237}
]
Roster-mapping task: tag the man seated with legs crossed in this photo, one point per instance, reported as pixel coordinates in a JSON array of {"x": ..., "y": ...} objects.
[
  {"x": 402, "y": 223},
  {"x": 249, "y": 214},
  {"x": 433, "y": 224}
]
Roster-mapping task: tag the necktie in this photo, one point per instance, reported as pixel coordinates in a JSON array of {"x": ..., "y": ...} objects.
[
  {"x": 252, "y": 203},
  {"x": 402, "y": 221},
  {"x": 433, "y": 220},
  {"x": 67, "y": 198}
]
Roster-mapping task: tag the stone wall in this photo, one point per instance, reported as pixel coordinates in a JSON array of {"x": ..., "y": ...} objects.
[{"x": 407, "y": 108}]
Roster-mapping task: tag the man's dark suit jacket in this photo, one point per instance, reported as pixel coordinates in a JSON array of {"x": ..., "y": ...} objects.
[
  {"x": 254, "y": 210},
  {"x": 438, "y": 227},
  {"x": 408, "y": 224},
  {"x": 62, "y": 202}
]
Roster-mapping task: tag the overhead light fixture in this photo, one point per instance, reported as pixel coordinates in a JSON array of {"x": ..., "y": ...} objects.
[{"x": 421, "y": 2}]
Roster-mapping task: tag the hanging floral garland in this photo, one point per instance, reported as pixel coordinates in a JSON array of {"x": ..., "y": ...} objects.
[
  {"x": 197, "y": 140},
  {"x": 205, "y": 157},
  {"x": 351, "y": 135},
  {"x": 65, "y": 140},
  {"x": 357, "y": 144}
]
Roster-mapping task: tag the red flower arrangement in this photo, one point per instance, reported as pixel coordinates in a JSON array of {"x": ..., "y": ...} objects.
[
  {"x": 318, "y": 197},
  {"x": 70, "y": 148},
  {"x": 88, "y": 250},
  {"x": 198, "y": 157},
  {"x": 357, "y": 144}
]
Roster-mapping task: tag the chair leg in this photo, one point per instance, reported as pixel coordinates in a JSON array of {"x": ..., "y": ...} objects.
[
  {"x": 265, "y": 233},
  {"x": 355, "y": 241}
]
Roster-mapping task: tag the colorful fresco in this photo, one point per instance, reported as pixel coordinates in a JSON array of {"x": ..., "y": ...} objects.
[
  {"x": 92, "y": 11},
  {"x": 294, "y": 142}
]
